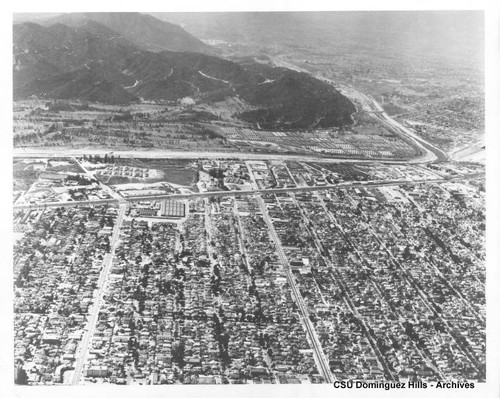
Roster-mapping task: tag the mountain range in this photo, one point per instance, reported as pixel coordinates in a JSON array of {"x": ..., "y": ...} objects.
[
  {"x": 143, "y": 30},
  {"x": 119, "y": 58}
]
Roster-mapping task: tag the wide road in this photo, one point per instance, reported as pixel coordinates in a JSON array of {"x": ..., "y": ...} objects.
[
  {"x": 320, "y": 357},
  {"x": 430, "y": 153},
  {"x": 441, "y": 156},
  {"x": 111, "y": 192},
  {"x": 166, "y": 154},
  {"x": 85, "y": 345},
  {"x": 345, "y": 185}
]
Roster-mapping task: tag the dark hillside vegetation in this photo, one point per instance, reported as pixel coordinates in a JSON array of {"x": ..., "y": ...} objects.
[
  {"x": 89, "y": 61},
  {"x": 144, "y": 31}
]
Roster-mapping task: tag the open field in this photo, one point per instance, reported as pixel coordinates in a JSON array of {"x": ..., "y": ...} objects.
[
  {"x": 175, "y": 171},
  {"x": 133, "y": 170},
  {"x": 194, "y": 129}
]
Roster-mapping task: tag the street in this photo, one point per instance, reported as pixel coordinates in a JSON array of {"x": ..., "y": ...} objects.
[{"x": 85, "y": 345}]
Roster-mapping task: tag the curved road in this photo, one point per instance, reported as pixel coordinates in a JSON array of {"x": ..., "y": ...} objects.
[
  {"x": 431, "y": 152},
  {"x": 441, "y": 156}
]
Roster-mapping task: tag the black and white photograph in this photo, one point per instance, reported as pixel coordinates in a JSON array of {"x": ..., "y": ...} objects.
[{"x": 251, "y": 197}]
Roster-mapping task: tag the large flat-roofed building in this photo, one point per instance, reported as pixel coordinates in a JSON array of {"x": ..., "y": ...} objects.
[
  {"x": 97, "y": 371},
  {"x": 170, "y": 208},
  {"x": 147, "y": 212}
]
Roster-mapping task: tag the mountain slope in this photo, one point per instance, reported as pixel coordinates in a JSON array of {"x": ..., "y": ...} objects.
[
  {"x": 145, "y": 31},
  {"x": 87, "y": 84},
  {"x": 296, "y": 100},
  {"x": 93, "y": 63}
]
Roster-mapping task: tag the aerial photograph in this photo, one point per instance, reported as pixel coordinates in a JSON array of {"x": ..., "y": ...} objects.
[{"x": 249, "y": 198}]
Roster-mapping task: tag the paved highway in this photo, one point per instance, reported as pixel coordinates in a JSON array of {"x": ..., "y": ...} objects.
[
  {"x": 441, "y": 156},
  {"x": 111, "y": 192},
  {"x": 320, "y": 357},
  {"x": 430, "y": 153},
  {"x": 85, "y": 345},
  {"x": 166, "y": 154},
  {"x": 372, "y": 183},
  {"x": 365, "y": 184}
]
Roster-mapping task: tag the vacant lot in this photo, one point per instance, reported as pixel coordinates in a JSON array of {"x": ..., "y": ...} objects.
[
  {"x": 63, "y": 166},
  {"x": 175, "y": 171},
  {"x": 25, "y": 173}
]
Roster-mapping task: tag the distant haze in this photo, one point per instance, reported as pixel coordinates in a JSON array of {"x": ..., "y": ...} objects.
[
  {"x": 32, "y": 16},
  {"x": 443, "y": 33}
]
